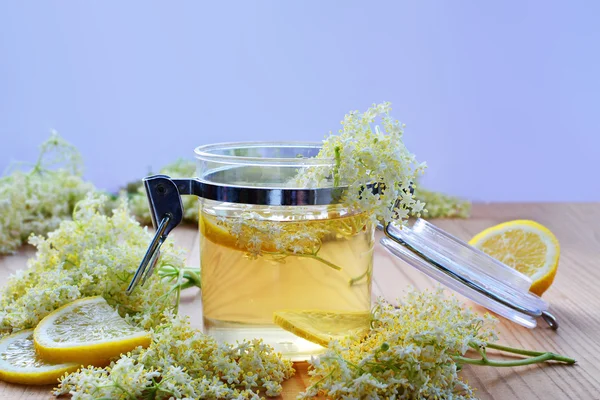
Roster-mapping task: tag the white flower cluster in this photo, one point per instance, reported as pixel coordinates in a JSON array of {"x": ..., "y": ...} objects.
[
  {"x": 38, "y": 200},
  {"x": 183, "y": 363},
  {"x": 440, "y": 205},
  {"x": 373, "y": 162},
  {"x": 409, "y": 352},
  {"x": 91, "y": 255}
]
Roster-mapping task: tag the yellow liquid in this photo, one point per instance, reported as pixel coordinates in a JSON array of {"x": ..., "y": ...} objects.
[{"x": 240, "y": 293}]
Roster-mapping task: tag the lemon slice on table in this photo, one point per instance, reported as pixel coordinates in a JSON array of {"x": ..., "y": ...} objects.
[
  {"x": 321, "y": 327},
  {"x": 87, "y": 331},
  {"x": 19, "y": 362},
  {"x": 526, "y": 246}
]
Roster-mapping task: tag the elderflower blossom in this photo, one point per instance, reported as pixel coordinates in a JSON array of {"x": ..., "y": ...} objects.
[
  {"x": 408, "y": 353},
  {"x": 183, "y": 363},
  {"x": 35, "y": 202},
  {"x": 440, "y": 205},
  {"x": 372, "y": 161},
  {"x": 93, "y": 254},
  {"x": 138, "y": 201}
]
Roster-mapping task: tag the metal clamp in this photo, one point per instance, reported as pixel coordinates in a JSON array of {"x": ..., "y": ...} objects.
[{"x": 166, "y": 211}]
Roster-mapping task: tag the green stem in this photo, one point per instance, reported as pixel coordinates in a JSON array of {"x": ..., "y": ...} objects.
[
  {"x": 514, "y": 350},
  {"x": 514, "y": 363},
  {"x": 179, "y": 288},
  {"x": 191, "y": 275},
  {"x": 314, "y": 385},
  {"x": 536, "y": 357},
  {"x": 316, "y": 257},
  {"x": 187, "y": 285},
  {"x": 336, "y": 167},
  {"x": 481, "y": 352},
  {"x": 121, "y": 388},
  {"x": 358, "y": 278},
  {"x": 313, "y": 256}
]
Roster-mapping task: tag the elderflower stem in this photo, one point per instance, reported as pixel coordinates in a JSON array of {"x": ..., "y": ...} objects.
[
  {"x": 515, "y": 363},
  {"x": 193, "y": 279},
  {"x": 189, "y": 274},
  {"x": 179, "y": 286},
  {"x": 536, "y": 357},
  {"x": 358, "y": 278},
  {"x": 316, "y": 257},
  {"x": 514, "y": 350},
  {"x": 533, "y": 353},
  {"x": 313, "y": 256},
  {"x": 336, "y": 167}
]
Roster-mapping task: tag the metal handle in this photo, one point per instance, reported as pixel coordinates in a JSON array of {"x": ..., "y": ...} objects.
[
  {"x": 166, "y": 211},
  {"x": 151, "y": 257}
]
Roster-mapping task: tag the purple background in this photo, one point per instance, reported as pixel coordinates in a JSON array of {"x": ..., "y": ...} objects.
[{"x": 502, "y": 99}]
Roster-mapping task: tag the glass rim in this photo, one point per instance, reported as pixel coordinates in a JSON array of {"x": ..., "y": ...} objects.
[{"x": 208, "y": 153}]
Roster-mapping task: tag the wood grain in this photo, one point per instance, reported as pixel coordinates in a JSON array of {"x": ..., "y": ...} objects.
[{"x": 574, "y": 299}]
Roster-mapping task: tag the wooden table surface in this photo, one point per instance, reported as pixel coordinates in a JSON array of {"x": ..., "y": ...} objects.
[{"x": 574, "y": 299}]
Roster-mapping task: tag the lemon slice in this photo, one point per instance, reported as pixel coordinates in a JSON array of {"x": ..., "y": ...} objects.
[
  {"x": 221, "y": 236},
  {"x": 321, "y": 327},
  {"x": 526, "y": 246},
  {"x": 215, "y": 233},
  {"x": 87, "y": 331},
  {"x": 19, "y": 362}
]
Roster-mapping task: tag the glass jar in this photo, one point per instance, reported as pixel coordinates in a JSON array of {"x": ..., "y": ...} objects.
[{"x": 267, "y": 245}]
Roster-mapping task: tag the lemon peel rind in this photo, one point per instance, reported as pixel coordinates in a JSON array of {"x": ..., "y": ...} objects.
[
  {"x": 98, "y": 354},
  {"x": 46, "y": 375}
]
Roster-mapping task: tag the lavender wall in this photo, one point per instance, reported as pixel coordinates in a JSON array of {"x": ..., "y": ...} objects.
[{"x": 501, "y": 98}]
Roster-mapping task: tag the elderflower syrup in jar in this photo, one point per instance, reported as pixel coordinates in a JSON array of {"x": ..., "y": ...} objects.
[{"x": 268, "y": 244}]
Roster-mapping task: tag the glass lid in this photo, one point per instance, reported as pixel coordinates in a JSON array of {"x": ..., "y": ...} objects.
[{"x": 467, "y": 271}]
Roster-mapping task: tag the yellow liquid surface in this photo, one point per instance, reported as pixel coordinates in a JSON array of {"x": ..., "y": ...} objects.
[{"x": 241, "y": 291}]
